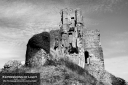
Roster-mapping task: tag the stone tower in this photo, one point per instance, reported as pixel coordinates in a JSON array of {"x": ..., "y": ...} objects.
[
  {"x": 79, "y": 44},
  {"x": 71, "y": 33},
  {"x": 92, "y": 47}
]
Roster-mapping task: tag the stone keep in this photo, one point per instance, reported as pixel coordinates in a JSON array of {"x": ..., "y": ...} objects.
[{"x": 79, "y": 44}]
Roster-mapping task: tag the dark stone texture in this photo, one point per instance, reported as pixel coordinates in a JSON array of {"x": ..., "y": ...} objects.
[
  {"x": 34, "y": 48},
  {"x": 40, "y": 41}
]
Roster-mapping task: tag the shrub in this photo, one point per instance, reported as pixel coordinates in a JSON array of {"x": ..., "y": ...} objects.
[{"x": 12, "y": 66}]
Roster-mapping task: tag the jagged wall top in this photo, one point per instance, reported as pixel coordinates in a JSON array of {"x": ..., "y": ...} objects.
[{"x": 69, "y": 15}]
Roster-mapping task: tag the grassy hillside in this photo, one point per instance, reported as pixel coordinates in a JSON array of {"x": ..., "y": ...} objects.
[{"x": 61, "y": 72}]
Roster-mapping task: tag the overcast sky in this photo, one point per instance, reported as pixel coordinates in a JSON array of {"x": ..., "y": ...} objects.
[{"x": 20, "y": 19}]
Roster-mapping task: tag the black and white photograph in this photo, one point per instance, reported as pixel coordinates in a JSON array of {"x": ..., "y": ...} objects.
[{"x": 63, "y": 42}]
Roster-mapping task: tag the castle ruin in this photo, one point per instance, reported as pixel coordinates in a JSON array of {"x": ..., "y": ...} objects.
[{"x": 81, "y": 45}]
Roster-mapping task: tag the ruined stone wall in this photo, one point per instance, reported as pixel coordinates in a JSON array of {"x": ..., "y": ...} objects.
[
  {"x": 92, "y": 38},
  {"x": 92, "y": 45},
  {"x": 86, "y": 39},
  {"x": 38, "y": 48},
  {"x": 66, "y": 15},
  {"x": 79, "y": 16},
  {"x": 54, "y": 34}
]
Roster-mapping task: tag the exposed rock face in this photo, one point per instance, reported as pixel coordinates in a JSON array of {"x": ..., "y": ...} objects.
[{"x": 38, "y": 48}]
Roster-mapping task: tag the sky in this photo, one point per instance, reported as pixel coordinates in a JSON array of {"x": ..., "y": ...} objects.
[{"x": 21, "y": 19}]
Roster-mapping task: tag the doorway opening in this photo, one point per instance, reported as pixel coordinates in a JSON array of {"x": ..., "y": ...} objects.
[{"x": 86, "y": 54}]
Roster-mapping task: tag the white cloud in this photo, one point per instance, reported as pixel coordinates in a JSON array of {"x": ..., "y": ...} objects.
[
  {"x": 15, "y": 10},
  {"x": 28, "y": 18}
]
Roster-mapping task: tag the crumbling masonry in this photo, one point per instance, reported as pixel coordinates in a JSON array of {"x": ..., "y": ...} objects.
[{"x": 79, "y": 44}]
